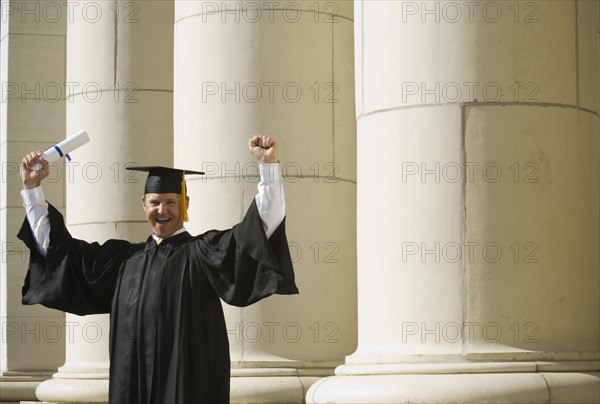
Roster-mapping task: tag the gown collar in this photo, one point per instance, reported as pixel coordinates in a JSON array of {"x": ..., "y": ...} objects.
[
  {"x": 182, "y": 230},
  {"x": 178, "y": 235}
]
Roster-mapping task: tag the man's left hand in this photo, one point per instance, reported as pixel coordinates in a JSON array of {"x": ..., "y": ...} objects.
[{"x": 264, "y": 148}]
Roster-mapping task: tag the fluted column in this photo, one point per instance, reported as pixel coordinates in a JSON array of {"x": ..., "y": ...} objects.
[
  {"x": 477, "y": 220},
  {"x": 119, "y": 74},
  {"x": 32, "y": 116},
  {"x": 284, "y": 69}
]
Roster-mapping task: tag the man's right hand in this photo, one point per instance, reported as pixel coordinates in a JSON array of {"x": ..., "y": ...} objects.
[{"x": 29, "y": 177}]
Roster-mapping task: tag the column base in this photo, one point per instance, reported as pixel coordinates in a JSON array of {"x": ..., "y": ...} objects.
[
  {"x": 62, "y": 390},
  {"x": 47, "y": 402},
  {"x": 579, "y": 387},
  {"x": 273, "y": 386},
  {"x": 20, "y": 386},
  {"x": 257, "y": 385}
]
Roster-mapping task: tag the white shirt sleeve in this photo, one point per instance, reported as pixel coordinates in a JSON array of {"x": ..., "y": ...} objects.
[
  {"x": 270, "y": 199},
  {"x": 36, "y": 209}
]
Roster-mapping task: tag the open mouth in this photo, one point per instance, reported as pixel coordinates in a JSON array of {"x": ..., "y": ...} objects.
[{"x": 162, "y": 220}]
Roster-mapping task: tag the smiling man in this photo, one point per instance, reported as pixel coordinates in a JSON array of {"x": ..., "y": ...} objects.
[
  {"x": 168, "y": 338},
  {"x": 165, "y": 199},
  {"x": 163, "y": 213}
]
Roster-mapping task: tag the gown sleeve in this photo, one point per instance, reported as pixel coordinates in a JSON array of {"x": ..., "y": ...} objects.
[
  {"x": 243, "y": 265},
  {"x": 75, "y": 276}
]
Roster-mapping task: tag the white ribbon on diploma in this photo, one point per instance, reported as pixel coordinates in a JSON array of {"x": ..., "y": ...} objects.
[{"x": 64, "y": 148}]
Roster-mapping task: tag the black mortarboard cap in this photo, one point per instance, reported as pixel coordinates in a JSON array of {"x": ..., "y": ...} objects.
[{"x": 163, "y": 180}]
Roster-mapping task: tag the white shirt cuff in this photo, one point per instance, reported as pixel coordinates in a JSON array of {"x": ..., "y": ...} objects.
[
  {"x": 270, "y": 199},
  {"x": 36, "y": 209},
  {"x": 33, "y": 196}
]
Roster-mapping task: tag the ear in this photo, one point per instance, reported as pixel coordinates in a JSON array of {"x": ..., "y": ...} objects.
[
  {"x": 144, "y": 202},
  {"x": 187, "y": 201}
]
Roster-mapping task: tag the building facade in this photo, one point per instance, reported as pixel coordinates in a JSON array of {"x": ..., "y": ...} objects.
[{"x": 441, "y": 169}]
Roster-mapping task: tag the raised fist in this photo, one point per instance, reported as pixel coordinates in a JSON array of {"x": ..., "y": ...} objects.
[
  {"x": 264, "y": 148},
  {"x": 29, "y": 176}
]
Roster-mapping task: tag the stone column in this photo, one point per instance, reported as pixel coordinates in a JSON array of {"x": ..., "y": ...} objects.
[
  {"x": 478, "y": 198},
  {"x": 284, "y": 69},
  {"x": 119, "y": 73},
  {"x": 32, "y": 116}
]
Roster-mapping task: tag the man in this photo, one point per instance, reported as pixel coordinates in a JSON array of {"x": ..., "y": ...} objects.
[{"x": 168, "y": 339}]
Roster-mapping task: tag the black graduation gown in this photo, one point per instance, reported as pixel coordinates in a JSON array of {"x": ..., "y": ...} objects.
[{"x": 168, "y": 338}]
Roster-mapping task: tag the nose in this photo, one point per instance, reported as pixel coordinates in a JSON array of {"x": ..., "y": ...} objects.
[{"x": 161, "y": 208}]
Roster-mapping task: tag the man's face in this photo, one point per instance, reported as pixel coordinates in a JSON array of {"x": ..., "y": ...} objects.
[{"x": 163, "y": 212}]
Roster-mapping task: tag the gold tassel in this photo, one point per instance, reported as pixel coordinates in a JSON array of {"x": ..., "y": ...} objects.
[{"x": 184, "y": 199}]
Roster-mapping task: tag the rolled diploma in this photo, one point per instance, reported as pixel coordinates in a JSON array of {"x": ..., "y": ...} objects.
[{"x": 63, "y": 148}]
